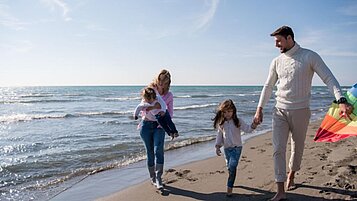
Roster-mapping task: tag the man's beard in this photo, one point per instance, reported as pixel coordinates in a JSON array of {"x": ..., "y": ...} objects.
[{"x": 284, "y": 50}]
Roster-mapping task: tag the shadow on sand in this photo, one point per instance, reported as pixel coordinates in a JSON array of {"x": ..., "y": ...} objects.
[{"x": 259, "y": 194}]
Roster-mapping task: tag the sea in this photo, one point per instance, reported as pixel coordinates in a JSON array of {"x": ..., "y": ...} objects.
[{"x": 56, "y": 136}]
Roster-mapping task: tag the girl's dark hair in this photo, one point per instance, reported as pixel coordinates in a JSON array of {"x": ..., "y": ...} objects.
[{"x": 218, "y": 120}]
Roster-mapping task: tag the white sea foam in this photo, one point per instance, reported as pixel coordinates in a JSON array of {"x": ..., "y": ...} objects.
[{"x": 195, "y": 106}]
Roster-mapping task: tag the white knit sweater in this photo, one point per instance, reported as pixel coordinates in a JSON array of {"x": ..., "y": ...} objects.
[{"x": 292, "y": 71}]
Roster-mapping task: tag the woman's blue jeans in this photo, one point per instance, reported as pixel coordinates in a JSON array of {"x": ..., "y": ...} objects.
[
  {"x": 153, "y": 138},
  {"x": 232, "y": 155}
]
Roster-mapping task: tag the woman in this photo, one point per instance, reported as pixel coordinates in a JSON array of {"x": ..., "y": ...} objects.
[{"x": 152, "y": 134}]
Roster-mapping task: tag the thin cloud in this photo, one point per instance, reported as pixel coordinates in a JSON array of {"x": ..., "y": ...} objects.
[
  {"x": 311, "y": 38},
  {"x": 347, "y": 23},
  {"x": 205, "y": 19},
  {"x": 7, "y": 20},
  {"x": 323, "y": 42},
  {"x": 338, "y": 53},
  {"x": 61, "y": 5},
  {"x": 349, "y": 10},
  {"x": 23, "y": 46},
  {"x": 94, "y": 27}
]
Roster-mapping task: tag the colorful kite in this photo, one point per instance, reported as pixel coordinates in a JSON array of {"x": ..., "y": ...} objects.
[{"x": 335, "y": 127}]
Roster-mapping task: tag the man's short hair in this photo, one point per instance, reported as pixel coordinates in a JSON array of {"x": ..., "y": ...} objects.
[{"x": 283, "y": 31}]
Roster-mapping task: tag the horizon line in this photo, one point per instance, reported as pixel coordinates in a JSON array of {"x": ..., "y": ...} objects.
[{"x": 142, "y": 85}]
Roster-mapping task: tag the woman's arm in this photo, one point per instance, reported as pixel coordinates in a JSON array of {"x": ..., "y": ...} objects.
[{"x": 170, "y": 103}]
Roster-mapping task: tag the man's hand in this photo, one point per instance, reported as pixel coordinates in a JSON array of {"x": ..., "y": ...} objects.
[
  {"x": 258, "y": 117},
  {"x": 346, "y": 110}
]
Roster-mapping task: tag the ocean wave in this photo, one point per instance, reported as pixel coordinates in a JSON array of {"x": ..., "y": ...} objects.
[
  {"x": 201, "y": 95},
  {"x": 21, "y": 148},
  {"x": 182, "y": 96},
  {"x": 29, "y": 117},
  {"x": 112, "y": 113},
  {"x": 82, "y": 173},
  {"x": 119, "y": 122},
  {"x": 39, "y": 101},
  {"x": 122, "y": 99},
  {"x": 189, "y": 107},
  {"x": 36, "y": 95},
  {"x": 188, "y": 142},
  {"x": 215, "y": 95}
]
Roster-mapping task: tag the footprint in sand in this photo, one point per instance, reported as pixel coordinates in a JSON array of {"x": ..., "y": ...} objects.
[
  {"x": 184, "y": 175},
  {"x": 179, "y": 175},
  {"x": 170, "y": 170},
  {"x": 324, "y": 192},
  {"x": 171, "y": 181},
  {"x": 261, "y": 150},
  {"x": 323, "y": 157},
  {"x": 246, "y": 160},
  {"x": 313, "y": 173},
  {"x": 218, "y": 171},
  {"x": 352, "y": 169}
]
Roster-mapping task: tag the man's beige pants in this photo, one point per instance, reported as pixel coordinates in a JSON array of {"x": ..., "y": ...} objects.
[{"x": 284, "y": 122}]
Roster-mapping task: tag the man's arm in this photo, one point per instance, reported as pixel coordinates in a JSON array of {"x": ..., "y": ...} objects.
[
  {"x": 331, "y": 82},
  {"x": 266, "y": 92}
]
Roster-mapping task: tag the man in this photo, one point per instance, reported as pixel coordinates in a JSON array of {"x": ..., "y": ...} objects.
[{"x": 292, "y": 71}]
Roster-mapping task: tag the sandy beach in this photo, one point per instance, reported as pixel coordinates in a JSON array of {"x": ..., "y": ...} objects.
[{"x": 328, "y": 172}]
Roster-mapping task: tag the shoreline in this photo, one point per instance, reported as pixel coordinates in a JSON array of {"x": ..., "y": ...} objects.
[
  {"x": 118, "y": 179},
  {"x": 328, "y": 172}
]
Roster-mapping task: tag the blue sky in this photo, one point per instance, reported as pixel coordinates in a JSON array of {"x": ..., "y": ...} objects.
[{"x": 201, "y": 42}]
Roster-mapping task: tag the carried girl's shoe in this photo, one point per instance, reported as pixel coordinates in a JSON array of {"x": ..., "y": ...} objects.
[{"x": 174, "y": 135}]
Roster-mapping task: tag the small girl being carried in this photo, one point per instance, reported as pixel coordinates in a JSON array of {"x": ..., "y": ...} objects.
[
  {"x": 155, "y": 105},
  {"x": 229, "y": 128}
]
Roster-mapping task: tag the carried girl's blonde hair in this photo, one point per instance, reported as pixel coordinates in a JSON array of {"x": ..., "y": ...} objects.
[
  {"x": 148, "y": 93},
  {"x": 218, "y": 120}
]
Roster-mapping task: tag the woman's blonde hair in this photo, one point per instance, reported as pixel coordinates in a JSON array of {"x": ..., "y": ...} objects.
[
  {"x": 167, "y": 78},
  {"x": 218, "y": 120}
]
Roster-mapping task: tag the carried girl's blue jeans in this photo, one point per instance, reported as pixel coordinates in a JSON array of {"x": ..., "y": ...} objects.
[
  {"x": 166, "y": 123},
  {"x": 232, "y": 155},
  {"x": 153, "y": 138}
]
